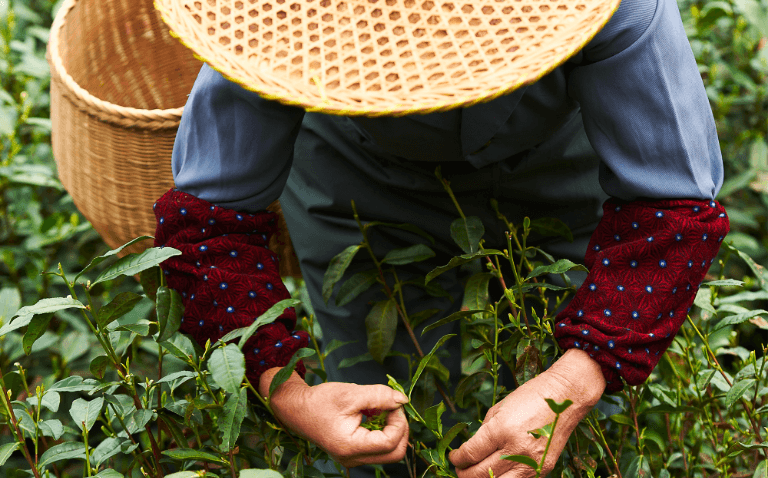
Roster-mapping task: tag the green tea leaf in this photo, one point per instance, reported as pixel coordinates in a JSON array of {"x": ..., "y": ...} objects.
[
  {"x": 703, "y": 301},
  {"x": 425, "y": 360},
  {"x": 525, "y": 460},
  {"x": 407, "y": 255},
  {"x": 10, "y": 301},
  {"x": 137, "y": 420},
  {"x": 760, "y": 273},
  {"x": 381, "y": 326},
  {"x": 253, "y": 473},
  {"x": 118, "y": 307},
  {"x": 110, "y": 473},
  {"x": 232, "y": 417},
  {"x": 467, "y": 232},
  {"x": 762, "y": 470},
  {"x": 551, "y": 226},
  {"x": 724, "y": 283},
  {"x": 46, "y": 306},
  {"x": 737, "y": 391},
  {"x": 476, "y": 292},
  {"x": 83, "y": 411},
  {"x": 16, "y": 323},
  {"x": 355, "y": 285},
  {"x": 51, "y": 428},
  {"x": 451, "y": 318},
  {"x": 99, "y": 366},
  {"x": 284, "y": 373},
  {"x": 105, "y": 450},
  {"x": 559, "y": 267},
  {"x": 74, "y": 384},
  {"x": 350, "y": 361},
  {"x": 432, "y": 416},
  {"x": 181, "y": 347},
  {"x": 469, "y": 384},
  {"x": 266, "y": 318},
  {"x": 558, "y": 407},
  {"x": 739, "y": 318},
  {"x": 459, "y": 261},
  {"x": 336, "y": 269},
  {"x": 528, "y": 365},
  {"x": 36, "y": 329},
  {"x": 134, "y": 263},
  {"x": 639, "y": 467},
  {"x": 227, "y": 366},
  {"x": 445, "y": 442},
  {"x": 98, "y": 260},
  {"x": 187, "y": 474},
  {"x": 169, "y": 311},
  {"x": 50, "y": 400},
  {"x": 335, "y": 344},
  {"x": 150, "y": 281},
  {"x": 185, "y": 454},
  {"x": 65, "y": 451},
  {"x": 7, "y": 450},
  {"x": 184, "y": 374}
]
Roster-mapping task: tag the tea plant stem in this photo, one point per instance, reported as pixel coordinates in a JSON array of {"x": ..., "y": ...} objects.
[
  {"x": 15, "y": 427},
  {"x": 401, "y": 312},
  {"x": 447, "y": 186},
  {"x": 755, "y": 427},
  {"x": 546, "y": 448},
  {"x": 87, "y": 451},
  {"x": 136, "y": 456},
  {"x": 495, "y": 364},
  {"x": 232, "y": 467},
  {"x": 497, "y": 271},
  {"x": 598, "y": 428},
  {"x": 391, "y": 295},
  {"x": 632, "y": 401}
]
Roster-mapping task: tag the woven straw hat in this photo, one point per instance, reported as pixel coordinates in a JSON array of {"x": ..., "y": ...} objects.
[{"x": 384, "y": 57}]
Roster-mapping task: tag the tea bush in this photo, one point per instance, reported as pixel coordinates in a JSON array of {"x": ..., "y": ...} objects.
[{"x": 96, "y": 380}]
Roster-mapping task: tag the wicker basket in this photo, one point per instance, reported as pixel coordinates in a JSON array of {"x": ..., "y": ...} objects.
[{"x": 118, "y": 85}]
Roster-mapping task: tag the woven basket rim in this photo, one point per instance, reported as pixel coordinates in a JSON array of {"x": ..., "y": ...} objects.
[
  {"x": 111, "y": 112},
  {"x": 313, "y": 99}
]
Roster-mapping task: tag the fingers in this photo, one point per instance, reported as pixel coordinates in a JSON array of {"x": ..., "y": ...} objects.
[
  {"x": 378, "y": 396},
  {"x": 474, "y": 450},
  {"x": 379, "y": 442},
  {"x": 397, "y": 454},
  {"x": 376, "y": 446}
]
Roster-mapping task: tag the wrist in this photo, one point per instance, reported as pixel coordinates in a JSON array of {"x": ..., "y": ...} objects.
[
  {"x": 582, "y": 373},
  {"x": 294, "y": 382}
]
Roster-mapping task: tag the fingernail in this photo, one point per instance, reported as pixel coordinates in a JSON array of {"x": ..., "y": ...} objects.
[{"x": 401, "y": 398}]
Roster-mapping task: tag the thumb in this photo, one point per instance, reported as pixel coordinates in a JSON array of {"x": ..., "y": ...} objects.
[
  {"x": 474, "y": 450},
  {"x": 378, "y": 397}
]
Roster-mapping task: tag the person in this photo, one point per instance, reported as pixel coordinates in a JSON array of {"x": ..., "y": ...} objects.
[{"x": 624, "y": 123}]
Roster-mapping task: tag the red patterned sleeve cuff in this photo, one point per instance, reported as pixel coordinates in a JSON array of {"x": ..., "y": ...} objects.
[
  {"x": 227, "y": 277},
  {"x": 647, "y": 260}
]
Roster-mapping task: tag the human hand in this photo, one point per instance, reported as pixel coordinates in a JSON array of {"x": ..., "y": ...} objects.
[
  {"x": 505, "y": 428},
  {"x": 329, "y": 415}
]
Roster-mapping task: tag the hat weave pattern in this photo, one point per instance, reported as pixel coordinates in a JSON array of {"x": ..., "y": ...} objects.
[{"x": 384, "y": 57}]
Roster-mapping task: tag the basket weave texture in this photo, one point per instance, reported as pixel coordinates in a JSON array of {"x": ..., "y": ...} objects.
[
  {"x": 385, "y": 57},
  {"x": 119, "y": 82}
]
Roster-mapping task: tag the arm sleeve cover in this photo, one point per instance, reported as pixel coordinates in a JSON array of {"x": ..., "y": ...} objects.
[{"x": 227, "y": 277}]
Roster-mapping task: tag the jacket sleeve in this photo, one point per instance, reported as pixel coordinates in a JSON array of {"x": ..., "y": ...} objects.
[
  {"x": 231, "y": 159},
  {"x": 647, "y": 116}
]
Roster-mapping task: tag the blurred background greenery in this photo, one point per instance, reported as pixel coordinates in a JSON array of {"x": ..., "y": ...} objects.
[{"x": 40, "y": 227}]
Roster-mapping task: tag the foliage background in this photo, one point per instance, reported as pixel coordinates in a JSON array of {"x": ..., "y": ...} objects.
[{"x": 40, "y": 227}]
